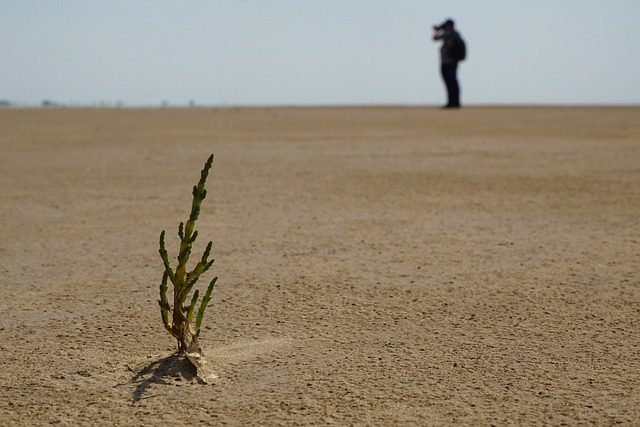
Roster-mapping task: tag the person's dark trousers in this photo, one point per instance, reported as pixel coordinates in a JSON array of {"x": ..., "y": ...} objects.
[{"x": 449, "y": 75}]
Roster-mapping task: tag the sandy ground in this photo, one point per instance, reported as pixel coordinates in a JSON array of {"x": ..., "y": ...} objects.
[{"x": 377, "y": 266}]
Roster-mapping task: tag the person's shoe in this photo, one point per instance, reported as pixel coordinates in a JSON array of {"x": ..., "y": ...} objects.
[{"x": 451, "y": 106}]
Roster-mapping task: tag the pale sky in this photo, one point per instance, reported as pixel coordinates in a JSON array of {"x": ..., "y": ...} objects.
[{"x": 316, "y": 52}]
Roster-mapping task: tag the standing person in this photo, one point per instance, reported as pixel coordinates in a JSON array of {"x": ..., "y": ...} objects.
[{"x": 451, "y": 52}]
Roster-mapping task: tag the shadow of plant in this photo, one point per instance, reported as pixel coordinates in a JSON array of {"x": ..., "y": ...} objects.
[{"x": 166, "y": 371}]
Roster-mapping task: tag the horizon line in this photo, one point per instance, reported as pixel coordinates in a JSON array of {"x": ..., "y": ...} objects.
[{"x": 167, "y": 106}]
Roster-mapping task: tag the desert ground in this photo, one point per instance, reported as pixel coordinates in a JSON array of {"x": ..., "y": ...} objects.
[{"x": 378, "y": 266}]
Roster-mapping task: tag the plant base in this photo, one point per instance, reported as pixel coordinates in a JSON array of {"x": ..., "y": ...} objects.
[{"x": 196, "y": 357}]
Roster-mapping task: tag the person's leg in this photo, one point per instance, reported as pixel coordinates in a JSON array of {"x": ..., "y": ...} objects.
[
  {"x": 449, "y": 72},
  {"x": 455, "y": 88}
]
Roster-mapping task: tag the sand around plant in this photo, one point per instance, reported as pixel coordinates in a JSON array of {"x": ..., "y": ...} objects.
[{"x": 377, "y": 266}]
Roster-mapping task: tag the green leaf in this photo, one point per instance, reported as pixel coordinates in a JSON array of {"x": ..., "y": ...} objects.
[
  {"x": 165, "y": 258},
  {"x": 207, "y": 251},
  {"x": 192, "y": 306},
  {"x": 164, "y": 303},
  {"x": 203, "y": 304}
]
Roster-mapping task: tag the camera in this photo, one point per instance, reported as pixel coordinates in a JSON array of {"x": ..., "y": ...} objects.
[{"x": 444, "y": 25}]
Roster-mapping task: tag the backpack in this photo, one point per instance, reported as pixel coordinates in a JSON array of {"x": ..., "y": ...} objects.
[{"x": 458, "y": 48}]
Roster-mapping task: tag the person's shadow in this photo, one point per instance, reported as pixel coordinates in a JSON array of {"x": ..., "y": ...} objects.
[{"x": 170, "y": 370}]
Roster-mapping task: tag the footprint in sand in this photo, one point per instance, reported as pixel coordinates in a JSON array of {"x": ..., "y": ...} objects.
[
  {"x": 207, "y": 369},
  {"x": 244, "y": 350}
]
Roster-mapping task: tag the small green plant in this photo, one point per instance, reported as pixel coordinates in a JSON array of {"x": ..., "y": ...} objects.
[{"x": 179, "y": 318}]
